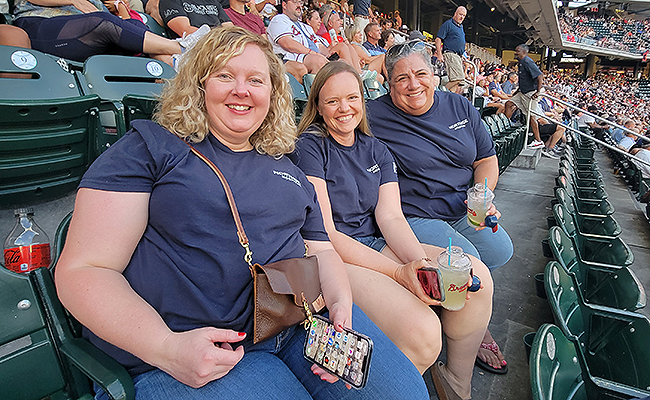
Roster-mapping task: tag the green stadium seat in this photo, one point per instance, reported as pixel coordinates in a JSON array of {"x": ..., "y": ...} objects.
[
  {"x": 581, "y": 193},
  {"x": 611, "y": 286},
  {"x": 373, "y": 89},
  {"x": 613, "y": 342},
  {"x": 299, "y": 96},
  {"x": 39, "y": 358},
  {"x": 113, "y": 77},
  {"x": 555, "y": 372},
  {"x": 307, "y": 81},
  {"x": 48, "y": 129},
  {"x": 587, "y": 208},
  {"x": 582, "y": 174},
  {"x": 591, "y": 227}
]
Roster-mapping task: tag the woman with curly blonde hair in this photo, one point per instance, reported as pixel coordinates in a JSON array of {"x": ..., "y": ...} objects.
[{"x": 152, "y": 265}]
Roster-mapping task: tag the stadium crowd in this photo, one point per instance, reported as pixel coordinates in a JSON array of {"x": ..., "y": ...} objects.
[{"x": 612, "y": 32}]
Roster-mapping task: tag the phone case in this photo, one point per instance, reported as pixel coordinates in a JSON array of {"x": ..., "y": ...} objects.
[
  {"x": 431, "y": 283},
  {"x": 344, "y": 354}
]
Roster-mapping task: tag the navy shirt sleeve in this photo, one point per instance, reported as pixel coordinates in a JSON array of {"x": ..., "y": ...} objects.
[{"x": 352, "y": 174}]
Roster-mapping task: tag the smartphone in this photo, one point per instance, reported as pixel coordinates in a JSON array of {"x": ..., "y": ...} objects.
[
  {"x": 343, "y": 354},
  {"x": 431, "y": 282}
]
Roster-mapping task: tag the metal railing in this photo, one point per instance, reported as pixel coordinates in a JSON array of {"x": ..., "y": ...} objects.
[{"x": 581, "y": 133}]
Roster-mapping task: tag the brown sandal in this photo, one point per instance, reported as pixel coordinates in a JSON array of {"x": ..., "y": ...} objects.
[{"x": 444, "y": 390}]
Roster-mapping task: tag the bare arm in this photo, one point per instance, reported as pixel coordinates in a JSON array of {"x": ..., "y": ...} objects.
[
  {"x": 181, "y": 25},
  {"x": 439, "y": 49},
  {"x": 105, "y": 230},
  {"x": 356, "y": 253}
]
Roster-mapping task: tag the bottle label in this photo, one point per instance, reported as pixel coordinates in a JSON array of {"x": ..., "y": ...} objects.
[{"x": 26, "y": 258}]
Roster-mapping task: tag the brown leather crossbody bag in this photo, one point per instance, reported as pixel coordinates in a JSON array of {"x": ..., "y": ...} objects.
[{"x": 286, "y": 292}]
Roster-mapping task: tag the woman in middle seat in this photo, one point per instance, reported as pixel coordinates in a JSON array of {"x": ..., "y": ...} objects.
[{"x": 356, "y": 183}]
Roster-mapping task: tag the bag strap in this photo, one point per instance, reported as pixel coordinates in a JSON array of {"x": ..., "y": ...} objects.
[{"x": 243, "y": 239}]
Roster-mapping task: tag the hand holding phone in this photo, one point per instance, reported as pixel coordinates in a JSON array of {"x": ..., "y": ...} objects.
[
  {"x": 431, "y": 282},
  {"x": 345, "y": 355}
]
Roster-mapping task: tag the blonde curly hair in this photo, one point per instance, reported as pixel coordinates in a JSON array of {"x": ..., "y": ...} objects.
[{"x": 182, "y": 110}]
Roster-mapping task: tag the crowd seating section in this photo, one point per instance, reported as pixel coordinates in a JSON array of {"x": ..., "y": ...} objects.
[{"x": 598, "y": 350}]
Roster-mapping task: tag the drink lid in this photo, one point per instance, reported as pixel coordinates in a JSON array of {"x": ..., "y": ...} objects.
[
  {"x": 456, "y": 259},
  {"x": 22, "y": 211}
]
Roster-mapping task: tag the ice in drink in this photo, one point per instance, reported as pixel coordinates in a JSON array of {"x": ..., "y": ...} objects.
[
  {"x": 455, "y": 268},
  {"x": 479, "y": 200}
]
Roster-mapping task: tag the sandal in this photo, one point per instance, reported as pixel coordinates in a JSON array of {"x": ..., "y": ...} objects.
[
  {"x": 444, "y": 390},
  {"x": 494, "y": 348}
]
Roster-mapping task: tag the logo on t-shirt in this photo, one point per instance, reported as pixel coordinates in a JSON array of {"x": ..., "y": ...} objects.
[
  {"x": 288, "y": 176},
  {"x": 374, "y": 169},
  {"x": 169, "y": 12},
  {"x": 458, "y": 125},
  {"x": 207, "y": 9}
]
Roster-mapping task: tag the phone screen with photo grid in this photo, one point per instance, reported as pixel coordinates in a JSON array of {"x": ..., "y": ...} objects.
[{"x": 344, "y": 354}]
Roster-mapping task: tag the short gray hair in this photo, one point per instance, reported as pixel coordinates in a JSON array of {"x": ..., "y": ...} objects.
[{"x": 404, "y": 50}]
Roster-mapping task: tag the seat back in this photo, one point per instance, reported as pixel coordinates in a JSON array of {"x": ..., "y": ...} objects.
[
  {"x": 32, "y": 75},
  {"x": 138, "y": 107},
  {"x": 564, "y": 219},
  {"x": 564, "y": 298},
  {"x": 29, "y": 363},
  {"x": 555, "y": 372},
  {"x": 373, "y": 89},
  {"x": 562, "y": 247},
  {"x": 307, "y": 81},
  {"x": 45, "y": 147},
  {"x": 112, "y": 77}
]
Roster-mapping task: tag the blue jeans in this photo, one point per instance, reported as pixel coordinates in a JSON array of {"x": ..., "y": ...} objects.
[
  {"x": 276, "y": 369},
  {"x": 494, "y": 249},
  {"x": 376, "y": 243}
]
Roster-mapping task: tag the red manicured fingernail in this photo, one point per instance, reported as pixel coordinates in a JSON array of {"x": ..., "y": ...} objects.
[{"x": 241, "y": 334}]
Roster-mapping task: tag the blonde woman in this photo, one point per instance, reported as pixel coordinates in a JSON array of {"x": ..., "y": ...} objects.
[{"x": 152, "y": 265}]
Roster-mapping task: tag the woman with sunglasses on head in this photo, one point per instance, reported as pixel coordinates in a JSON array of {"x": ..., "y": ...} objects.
[
  {"x": 440, "y": 145},
  {"x": 356, "y": 182},
  {"x": 153, "y": 265}
]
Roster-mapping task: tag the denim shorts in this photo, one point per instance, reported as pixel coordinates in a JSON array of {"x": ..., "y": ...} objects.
[{"x": 376, "y": 243}]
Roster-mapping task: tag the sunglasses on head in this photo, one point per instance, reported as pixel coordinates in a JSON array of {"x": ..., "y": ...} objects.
[{"x": 399, "y": 49}]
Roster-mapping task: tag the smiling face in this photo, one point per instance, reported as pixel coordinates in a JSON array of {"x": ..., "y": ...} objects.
[
  {"x": 314, "y": 20},
  {"x": 237, "y": 98},
  {"x": 412, "y": 85},
  {"x": 340, "y": 103}
]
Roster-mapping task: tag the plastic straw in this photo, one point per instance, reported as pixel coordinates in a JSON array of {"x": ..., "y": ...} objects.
[
  {"x": 449, "y": 253},
  {"x": 485, "y": 195}
]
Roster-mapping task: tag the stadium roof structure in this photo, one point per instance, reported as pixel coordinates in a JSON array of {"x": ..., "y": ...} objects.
[{"x": 540, "y": 19}]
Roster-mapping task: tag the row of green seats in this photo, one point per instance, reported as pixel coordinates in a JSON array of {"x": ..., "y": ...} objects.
[
  {"x": 598, "y": 349},
  {"x": 57, "y": 116},
  {"x": 509, "y": 140}
]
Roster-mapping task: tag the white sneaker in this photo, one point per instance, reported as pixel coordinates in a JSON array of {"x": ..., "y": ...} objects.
[
  {"x": 535, "y": 144},
  {"x": 188, "y": 41}
]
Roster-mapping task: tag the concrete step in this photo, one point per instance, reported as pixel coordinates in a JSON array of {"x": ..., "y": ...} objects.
[{"x": 527, "y": 159}]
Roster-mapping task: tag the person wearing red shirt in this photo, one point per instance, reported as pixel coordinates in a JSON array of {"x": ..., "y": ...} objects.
[{"x": 244, "y": 18}]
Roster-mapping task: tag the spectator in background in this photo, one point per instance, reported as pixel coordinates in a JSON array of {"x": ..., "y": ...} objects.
[
  {"x": 267, "y": 10},
  {"x": 397, "y": 18},
  {"x": 294, "y": 41},
  {"x": 586, "y": 120},
  {"x": 78, "y": 33},
  {"x": 375, "y": 63},
  {"x": 244, "y": 18},
  {"x": 184, "y": 17},
  {"x": 495, "y": 87},
  {"x": 525, "y": 97},
  {"x": 387, "y": 40},
  {"x": 628, "y": 141},
  {"x": 510, "y": 84},
  {"x": 450, "y": 46},
  {"x": 373, "y": 35},
  {"x": 361, "y": 11},
  {"x": 619, "y": 133}
]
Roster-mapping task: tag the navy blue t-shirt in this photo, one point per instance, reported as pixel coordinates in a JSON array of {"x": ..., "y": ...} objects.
[
  {"x": 188, "y": 264},
  {"x": 528, "y": 73},
  {"x": 452, "y": 36},
  {"x": 434, "y": 152},
  {"x": 361, "y": 7},
  {"x": 353, "y": 175}
]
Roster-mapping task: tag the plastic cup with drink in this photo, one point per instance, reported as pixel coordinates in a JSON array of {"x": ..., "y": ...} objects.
[
  {"x": 455, "y": 267},
  {"x": 479, "y": 200}
]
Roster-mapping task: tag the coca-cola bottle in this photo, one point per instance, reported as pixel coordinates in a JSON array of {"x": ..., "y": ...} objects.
[{"x": 27, "y": 247}]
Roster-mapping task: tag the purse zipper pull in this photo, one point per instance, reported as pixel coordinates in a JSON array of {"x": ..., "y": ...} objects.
[{"x": 310, "y": 317}]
